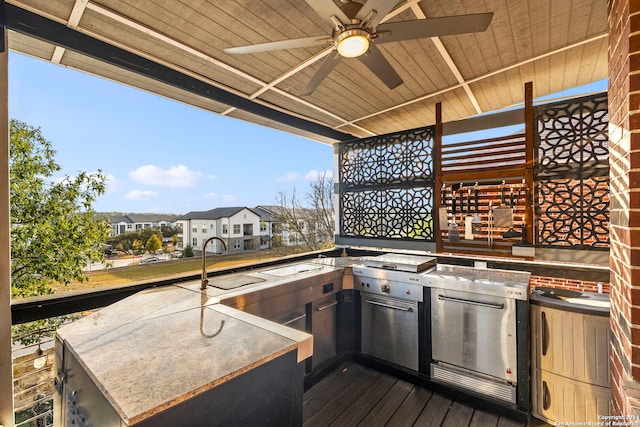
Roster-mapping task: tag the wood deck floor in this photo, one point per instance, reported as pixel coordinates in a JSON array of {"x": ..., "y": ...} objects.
[{"x": 354, "y": 395}]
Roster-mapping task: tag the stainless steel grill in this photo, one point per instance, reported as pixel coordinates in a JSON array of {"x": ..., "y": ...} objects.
[{"x": 391, "y": 288}]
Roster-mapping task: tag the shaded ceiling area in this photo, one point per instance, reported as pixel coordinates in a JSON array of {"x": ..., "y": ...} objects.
[{"x": 176, "y": 49}]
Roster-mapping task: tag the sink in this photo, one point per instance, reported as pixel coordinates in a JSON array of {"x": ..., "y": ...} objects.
[
  {"x": 558, "y": 293},
  {"x": 292, "y": 269},
  {"x": 233, "y": 282}
]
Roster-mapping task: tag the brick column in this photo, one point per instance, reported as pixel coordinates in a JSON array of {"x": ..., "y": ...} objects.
[{"x": 624, "y": 148}]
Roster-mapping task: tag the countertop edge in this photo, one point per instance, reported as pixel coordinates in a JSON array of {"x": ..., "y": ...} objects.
[
  {"x": 134, "y": 419},
  {"x": 303, "y": 340},
  {"x": 559, "y": 304}
]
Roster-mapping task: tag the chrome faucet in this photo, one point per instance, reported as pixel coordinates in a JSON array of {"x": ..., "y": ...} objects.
[{"x": 204, "y": 281}]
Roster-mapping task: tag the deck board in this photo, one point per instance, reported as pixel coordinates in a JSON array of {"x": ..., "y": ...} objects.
[
  {"x": 483, "y": 419},
  {"x": 365, "y": 402},
  {"x": 386, "y": 408},
  {"x": 342, "y": 399},
  {"x": 411, "y": 408},
  {"x": 458, "y": 415},
  {"x": 318, "y": 396},
  {"x": 435, "y": 412},
  {"x": 355, "y": 395},
  {"x": 505, "y": 422}
]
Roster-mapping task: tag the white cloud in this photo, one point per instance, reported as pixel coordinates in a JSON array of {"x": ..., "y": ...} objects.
[
  {"x": 313, "y": 175},
  {"x": 140, "y": 195},
  {"x": 175, "y": 177},
  {"x": 288, "y": 177},
  {"x": 113, "y": 183}
]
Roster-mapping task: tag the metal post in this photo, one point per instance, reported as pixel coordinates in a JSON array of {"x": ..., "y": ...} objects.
[
  {"x": 437, "y": 169},
  {"x": 6, "y": 370}
]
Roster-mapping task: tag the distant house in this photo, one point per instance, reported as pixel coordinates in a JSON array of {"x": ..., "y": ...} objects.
[
  {"x": 125, "y": 223},
  {"x": 239, "y": 227},
  {"x": 269, "y": 225},
  {"x": 286, "y": 236}
]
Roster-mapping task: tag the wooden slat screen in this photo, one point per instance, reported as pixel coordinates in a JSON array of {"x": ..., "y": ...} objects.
[{"x": 487, "y": 162}]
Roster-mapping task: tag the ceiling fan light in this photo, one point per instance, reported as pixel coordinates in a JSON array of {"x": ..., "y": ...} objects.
[{"x": 353, "y": 43}]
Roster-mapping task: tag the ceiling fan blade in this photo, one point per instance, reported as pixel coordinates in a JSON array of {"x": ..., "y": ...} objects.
[
  {"x": 327, "y": 66},
  {"x": 283, "y": 44},
  {"x": 378, "y": 64},
  {"x": 327, "y": 8},
  {"x": 433, "y": 27},
  {"x": 382, "y": 8}
]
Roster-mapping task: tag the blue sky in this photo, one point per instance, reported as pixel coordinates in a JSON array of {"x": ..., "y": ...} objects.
[{"x": 159, "y": 155}]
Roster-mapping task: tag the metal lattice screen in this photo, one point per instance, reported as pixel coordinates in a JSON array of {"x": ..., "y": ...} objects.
[
  {"x": 572, "y": 173},
  {"x": 386, "y": 186}
]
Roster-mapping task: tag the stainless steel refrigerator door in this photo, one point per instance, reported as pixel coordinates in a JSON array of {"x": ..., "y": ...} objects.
[{"x": 475, "y": 332}]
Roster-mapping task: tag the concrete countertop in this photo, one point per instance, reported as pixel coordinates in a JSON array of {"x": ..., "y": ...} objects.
[{"x": 151, "y": 351}]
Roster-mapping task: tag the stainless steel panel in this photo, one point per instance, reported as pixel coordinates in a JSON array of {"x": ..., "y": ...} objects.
[
  {"x": 396, "y": 276},
  {"x": 401, "y": 262},
  {"x": 473, "y": 381},
  {"x": 507, "y": 284},
  {"x": 323, "y": 329},
  {"x": 390, "y": 330},
  {"x": 402, "y": 285},
  {"x": 82, "y": 402},
  {"x": 474, "y": 331}
]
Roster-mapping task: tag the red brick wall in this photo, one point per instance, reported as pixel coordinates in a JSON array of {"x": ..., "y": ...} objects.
[
  {"x": 576, "y": 285},
  {"x": 624, "y": 159}
]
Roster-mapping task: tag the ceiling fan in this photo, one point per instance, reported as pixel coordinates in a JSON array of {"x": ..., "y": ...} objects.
[{"x": 356, "y": 29}]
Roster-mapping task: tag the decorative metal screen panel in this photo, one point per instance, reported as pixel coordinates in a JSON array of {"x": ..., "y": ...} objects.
[
  {"x": 386, "y": 186},
  {"x": 572, "y": 173}
]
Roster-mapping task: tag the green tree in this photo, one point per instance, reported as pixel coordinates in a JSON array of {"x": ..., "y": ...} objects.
[
  {"x": 188, "y": 252},
  {"x": 153, "y": 243},
  {"x": 54, "y": 230}
]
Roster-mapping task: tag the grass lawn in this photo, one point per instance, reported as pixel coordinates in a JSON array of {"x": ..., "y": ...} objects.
[{"x": 175, "y": 268}]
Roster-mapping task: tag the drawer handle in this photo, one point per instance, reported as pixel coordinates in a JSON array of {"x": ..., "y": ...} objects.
[
  {"x": 324, "y": 307},
  {"x": 288, "y": 322},
  {"x": 471, "y": 302},
  {"x": 545, "y": 334},
  {"x": 409, "y": 309},
  {"x": 546, "y": 396}
]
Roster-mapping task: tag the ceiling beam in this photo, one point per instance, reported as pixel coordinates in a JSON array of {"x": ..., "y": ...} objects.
[
  {"x": 264, "y": 86},
  {"x": 449, "y": 61},
  {"x": 74, "y": 19}
]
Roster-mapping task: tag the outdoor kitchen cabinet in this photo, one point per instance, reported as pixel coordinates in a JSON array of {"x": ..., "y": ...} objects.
[
  {"x": 174, "y": 356},
  {"x": 570, "y": 363},
  {"x": 323, "y": 329}
]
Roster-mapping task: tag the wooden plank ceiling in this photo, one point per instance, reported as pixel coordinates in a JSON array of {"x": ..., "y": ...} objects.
[{"x": 556, "y": 44}]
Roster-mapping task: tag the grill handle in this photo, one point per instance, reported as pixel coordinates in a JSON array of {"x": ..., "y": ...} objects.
[
  {"x": 290, "y": 321},
  {"x": 409, "y": 309},
  {"x": 324, "y": 307},
  {"x": 471, "y": 302},
  {"x": 390, "y": 266}
]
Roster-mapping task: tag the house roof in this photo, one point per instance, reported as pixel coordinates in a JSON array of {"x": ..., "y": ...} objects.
[
  {"x": 132, "y": 218},
  {"x": 176, "y": 50},
  {"x": 267, "y": 213},
  {"x": 116, "y": 219},
  {"x": 156, "y": 218},
  {"x": 217, "y": 213}
]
